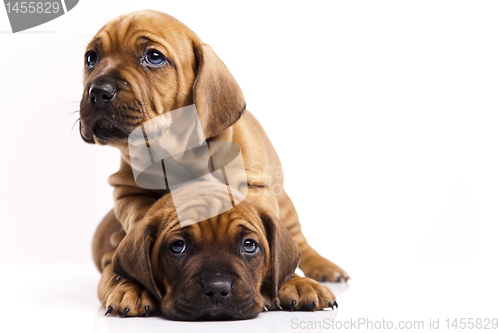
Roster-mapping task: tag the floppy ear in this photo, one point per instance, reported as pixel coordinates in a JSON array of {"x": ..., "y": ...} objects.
[
  {"x": 284, "y": 252},
  {"x": 218, "y": 97},
  {"x": 132, "y": 258}
]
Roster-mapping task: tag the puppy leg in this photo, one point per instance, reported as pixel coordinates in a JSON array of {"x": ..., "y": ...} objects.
[
  {"x": 311, "y": 263},
  {"x": 118, "y": 295},
  {"x": 301, "y": 293},
  {"x": 126, "y": 298}
]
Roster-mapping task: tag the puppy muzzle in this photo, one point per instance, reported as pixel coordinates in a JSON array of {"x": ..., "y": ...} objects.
[{"x": 108, "y": 111}]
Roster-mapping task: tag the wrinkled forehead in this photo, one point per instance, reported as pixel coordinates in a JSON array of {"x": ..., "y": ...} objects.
[
  {"x": 240, "y": 220},
  {"x": 141, "y": 29}
]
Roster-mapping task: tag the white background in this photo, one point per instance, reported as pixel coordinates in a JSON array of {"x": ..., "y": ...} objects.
[{"x": 385, "y": 115}]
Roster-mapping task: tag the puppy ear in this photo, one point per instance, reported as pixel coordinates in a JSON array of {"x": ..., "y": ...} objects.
[
  {"x": 132, "y": 258},
  {"x": 218, "y": 97},
  {"x": 284, "y": 252}
]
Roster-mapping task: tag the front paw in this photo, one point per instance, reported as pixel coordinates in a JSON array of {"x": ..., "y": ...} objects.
[
  {"x": 302, "y": 293},
  {"x": 129, "y": 299},
  {"x": 125, "y": 298},
  {"x": 322, "y": 269}
]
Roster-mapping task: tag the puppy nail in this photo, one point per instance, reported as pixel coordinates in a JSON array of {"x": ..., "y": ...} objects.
[
  {"x": 146, "y": 308},
  {"x": 294, "y": 302},
  {"x": 265, "y": 309},
  {"x": 110, "y": 308},
  {"x": 335, "y": 303},
  {"x": 125, "y": 312},
  {"x": 278, "y": 305},
  {"x": 313, "y": 305},
  {"x": 330, "y": 305}
]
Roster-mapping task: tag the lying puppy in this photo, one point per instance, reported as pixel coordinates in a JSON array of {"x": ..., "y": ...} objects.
[
  {"x": 146, "y": 64},
  {"x": 230, "y": 266}
]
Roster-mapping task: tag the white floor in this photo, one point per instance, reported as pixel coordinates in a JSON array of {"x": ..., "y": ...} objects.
[{"x": 62, "y": 298}]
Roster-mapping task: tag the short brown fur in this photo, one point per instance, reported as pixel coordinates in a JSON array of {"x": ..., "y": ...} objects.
[{"x": 194, "y": 75}]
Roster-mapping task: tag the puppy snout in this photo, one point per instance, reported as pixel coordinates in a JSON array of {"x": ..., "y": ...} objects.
[
  {"x": 216, "y": 290},
  {"x": 100, "y": 94}
]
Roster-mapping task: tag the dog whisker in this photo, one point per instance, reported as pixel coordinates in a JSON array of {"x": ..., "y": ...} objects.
[
  {"x": 73, "y": 127},
  {"x": 69, "y": 114},
  {"x": 70, "y": 105}
]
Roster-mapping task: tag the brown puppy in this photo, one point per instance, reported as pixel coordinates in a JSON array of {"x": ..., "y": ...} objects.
[
  {"x": 145, "y": 64},
  {"x": 230, "y": 266}
]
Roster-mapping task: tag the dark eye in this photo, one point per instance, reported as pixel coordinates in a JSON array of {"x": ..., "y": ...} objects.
[
  {"x": 249, "y": 246},
  {"x": 91, "y": 59},
  {"x": 178, "y": 246},
  {"x": 154, "y": 58}
]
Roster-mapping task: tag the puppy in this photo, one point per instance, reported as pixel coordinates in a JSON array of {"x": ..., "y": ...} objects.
[
  {"x": 146, "y": 64},
  {"x": 231, "y": 266}
]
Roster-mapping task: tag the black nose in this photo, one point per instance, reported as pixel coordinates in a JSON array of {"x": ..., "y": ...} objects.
[
  {"x": 101, "y": 93},
  {"x": 216, "y": 290}
]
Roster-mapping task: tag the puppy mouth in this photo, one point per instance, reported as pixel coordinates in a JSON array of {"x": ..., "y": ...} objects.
[
  {"x": 102, "y": 130},
  {"x": 226, "y": 310},
  {"x": 229, "y": 314},
  {"x": 216, "y": 315},
  {"x": 105, "y": 130},
  {"x": 109, "y": 120}
]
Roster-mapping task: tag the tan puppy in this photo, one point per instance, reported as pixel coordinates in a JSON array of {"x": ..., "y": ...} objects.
[
  {"x": 230, "y": 266},
  {"x": 145, "y": 64}
]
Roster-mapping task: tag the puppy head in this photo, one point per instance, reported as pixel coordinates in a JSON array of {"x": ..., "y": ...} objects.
[
  {"x": 144, "y": 64},
  {"x": 228, "y": 266}
]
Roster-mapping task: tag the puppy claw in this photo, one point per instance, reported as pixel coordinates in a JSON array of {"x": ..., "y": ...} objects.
[
  {"x": 125, "y": 298},
  {"x": 110, "y": 308},
  {"x": 335, "y": 304},
  {"x": 305, "y": 294},
  {"x": 265, "y": 309},
  {"x": 278, "y": 304}
]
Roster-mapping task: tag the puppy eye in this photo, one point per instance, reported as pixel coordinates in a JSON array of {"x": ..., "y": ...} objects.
[
  {"x": 91, "y": 58},
  {"x": 178, "y": 246},
  {"x": 249, "y": 246},
  {"x": 154, "y": 58}
]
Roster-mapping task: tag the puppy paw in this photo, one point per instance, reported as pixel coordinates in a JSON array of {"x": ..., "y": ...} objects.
[
  {"x": 321, "y": 269},
  {"x": 305, "y": 294},
  {"x": 128, "y": 299},
  {"x": 125, "y": 298}
]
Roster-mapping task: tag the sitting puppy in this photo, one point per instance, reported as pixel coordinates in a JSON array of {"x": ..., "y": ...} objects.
[
  {"x": 230, "y": 266},
  {"x": 140, "y": 67}
]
